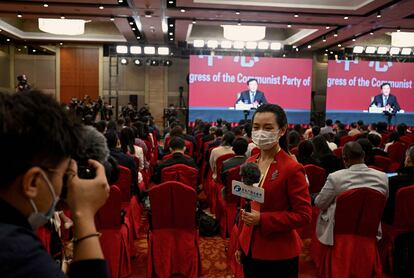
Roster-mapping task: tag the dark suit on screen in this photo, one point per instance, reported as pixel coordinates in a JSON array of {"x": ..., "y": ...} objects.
[
  {"x": 245, "y": 97},
  {"x": 391, "y": 101}
]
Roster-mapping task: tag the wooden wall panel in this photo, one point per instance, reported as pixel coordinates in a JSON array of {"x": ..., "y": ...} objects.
[{"x": 79, "y": 73}]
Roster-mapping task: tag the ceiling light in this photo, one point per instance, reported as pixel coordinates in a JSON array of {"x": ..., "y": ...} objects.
[
  {"x": 238, "y": 23},
  {"x": 354, "y": 39},
  {"x": 324, "y": 39},
  {"x": 19, "y": 15},
  {"x": 182, "y": 10},
  {"x": 335, "y": 34},
  {"x": 331, "y": 52},
  {"x": 226, "y": 44},
  {"x": 171, "y": 25},
  {"x": 284, "y": 55},
  {"x": 62, "y": 17},
  {"x": 45, "y": 5},
  {"x": 339, "y": 45},
  {"x": 163, "y": 50},
  {"x": 135, "y": 50},
  {"x": 120, "y": 1},
  {"x": 198, "y": 43},
  {"x": 382, "y": 50},
  {"x": 243, "y": 33},
  {"x": 101, "y": 7},
  {"x": 297, "y": 49},
  {"x": 238, "y": 45},
  {"x": 123, "y": 61},
  {"x": 398, "y": 29},
  {"x": 171, "y": 33},
  {"x": 276, "y": 46},
  {"x": 19, "y": 49},
  {"x": 133, "y": 29},
  {"x": 138, "y": 62},
  {"x": 296, "y": 15},
  {"x": 171, "y": 39},
  {"x": 309, "y": 46},
  {"x": 402, "y": 39},
  {"x": 379, "y": 14},
  {"x": 289, "y": 25},
  {"x": 395, "y": 50},
  {"x": 237, "y": 12},
  {"x": 121, "y": 49},
  {"x": 263, "y": 45},
  {"x": 34, "y": 50},
  {"x": 345, "y": 17},
  {"x": 328, "y": 27},
  {"x": 131, "y": 23},
  {"x": 194, "y": 21},
  {"x": 138, "y": 37},
  {"x": 358, "y": 49},
  {"x": 168, "y": 63},
  {"x": 112, "y": 18},
  {"x": 70, "y": 27},
  {"x": 212, "y": 44},
  {"x": 406, "y": 51},
  {"x": 7, "y": 40},
  {"x": 371, "y": 33},
  {"x": 170, "y": 2},
  {"x": 326, "y": 50},
  {"x": 149, "y": 50},
  {"x": 370, "y": 49},
  {"x": 251, "y": 45},
  {"x": 61, "y": 43},
  {"x": 155, "y": 63}
]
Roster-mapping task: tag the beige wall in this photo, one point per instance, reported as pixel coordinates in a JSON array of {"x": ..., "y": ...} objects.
[{"x": 4, "y": 68}]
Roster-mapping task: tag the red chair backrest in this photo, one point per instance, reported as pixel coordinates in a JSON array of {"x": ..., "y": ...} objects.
[
  {"x": 167, "y": 142},
  {"x": 338, "y": 152},
  {"x": 376, "y": 168},
  {"x": 382, "y": 162},
  {"x": 358, "y": 212},
  {"x": 219, "y": 164},
  {"x": 345, "y": 139},
  {"x": 406, "y": 139},
  {"x": 189, "y": 148},
  {"x": 232, "y": 174},
  {"x": 396, "y": 152},
  {"x": 169, "y": 155},
  {"x": 173, "y": 205},
  {"x": 294, "y": 151},
  {"x": 255, "y": 151},
  {"x": 316, "y": 177},
  {"x": 404, "y": 207},
  {"x": 124, "y": 183},
  {"x": 181, "y": 173},
  {"x": 109, "y": 215}
]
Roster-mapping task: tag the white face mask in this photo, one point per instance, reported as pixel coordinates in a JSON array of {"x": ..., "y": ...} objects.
[
  {"x": 265, "y": 140},
  {"x": 37, "y": 218}
]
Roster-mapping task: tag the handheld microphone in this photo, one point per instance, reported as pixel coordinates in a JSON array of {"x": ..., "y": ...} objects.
[{"x": 250, "y": 174}]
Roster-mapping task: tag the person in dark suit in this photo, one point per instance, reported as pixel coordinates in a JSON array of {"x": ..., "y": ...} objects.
[
  {"x": 404, "y": 178},
  {"x": 252, "y": 96},
  {"x": 177, "y": 149},
  {"x": 385, "y": 99}
]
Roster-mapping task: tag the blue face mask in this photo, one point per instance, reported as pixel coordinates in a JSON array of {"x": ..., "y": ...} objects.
[{"x": 37, "y": 218}]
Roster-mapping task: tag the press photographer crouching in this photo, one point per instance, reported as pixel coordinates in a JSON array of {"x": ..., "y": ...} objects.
[{"x": 37, "y": 143}]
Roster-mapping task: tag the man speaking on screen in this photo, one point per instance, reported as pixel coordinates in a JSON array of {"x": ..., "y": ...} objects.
[
  {"x": 252, "y": 96},
  {"x": 385, "y": 99}
]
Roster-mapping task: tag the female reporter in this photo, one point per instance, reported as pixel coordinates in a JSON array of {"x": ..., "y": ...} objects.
[{"x": 269, "y": 245}]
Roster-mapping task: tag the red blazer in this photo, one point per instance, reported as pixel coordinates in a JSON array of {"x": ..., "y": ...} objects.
[{"x": 287, "y": 206}]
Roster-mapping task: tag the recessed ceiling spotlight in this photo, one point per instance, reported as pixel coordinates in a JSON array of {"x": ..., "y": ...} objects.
[
  {"x": 194, "y": 21},
  {"x": 45, "y": 5},
  {"x": 296, "y": 15},
  {"x": 354, "y": 39},
  {"x": 131, "y": 23},
  {"x": 324, "y": 39},
  {"x": 379, "y": 14},
  {"x": 398, "y": 29},
  {"x": 171, "y": 39},
  {"x": 7, "y": 40},
  {"x": 328, "y": 27},
  {"x": 19, "y": 15},
  {"x": 335, "y": 34},
  {"x": 289, "y": 25},
  {"x": 101, "y": 7},
  {"x": 133, "y": 29},
  {"x": 120, "y": 1},
  {"x": 371, "y": 33},
  {"x": 238, "y": 23},
  {"x": 62, "y": 17},
  {"x": 284, "y": 55},
  {"x": 339, "y": 45},
  {"x": 237, "y": 12},
  {"x": 171, "y": 25},
  {"x": 346, "y": 17},
  {"x": 182, "y": 10},
  {"x": 138, "y": 37},
  {"x": 112, "y": 18}
]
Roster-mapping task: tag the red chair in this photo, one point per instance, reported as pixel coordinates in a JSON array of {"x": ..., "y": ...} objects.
[
  {"x": 345, "y": 139},
  {"x": 376, "y": 168},
  {"x": 255, "y": 151},
  {"x": 396, "y": 153},
  {"x": 354, "y": 253},
  {"x": 189, "y": 148},
  {"x": 338, "y": 152},
  {"x": 406, "y": 139},
  {"x": 114, "y": 239},
  {"x": 215, "y": 184},
  {"x": 316, "y": 177},
  {"x": 226, "y": 210},
  {"x": 124, "y": 183},
  {"x": 169, "y": 155},
  {"x": 181, "y": 173},
  {"x": 173, "y": 239},
  {"x": 382, "y": 162},
  {"x": 403, "y": 223}
]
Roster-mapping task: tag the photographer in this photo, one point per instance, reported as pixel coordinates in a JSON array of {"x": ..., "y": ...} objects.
[
  {"x": 22, "y": 84},
  {"x": 32, "y": 180}
]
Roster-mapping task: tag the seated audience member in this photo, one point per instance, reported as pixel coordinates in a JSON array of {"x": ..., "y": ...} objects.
[
  {"x": 402, "y": 129},
  {"x": 357, "y": 175},
  {"x": 293, "y": 139},
  {"x": 376, "y": 142},
  {"x": 367, "y": 148},
  {"x": 218, "y": 137},
  {"x": 111, "y": 126},
  {"x": 31, "y": 182},
  {"x": 224, "y": 148},
  {"x": 239, "y": 148},
  {"x": 304, "y": 156},
  {"x": 394, "y": 136},
  {"x": 324, "y": 156},
  {"x": 127, "y": 139},
  {"x": 140, "y": 135},
  {"x": 341, "y": 131},
  {"x": 372, "y": 129},
  {"x": 329, "y": 137},
  {"x": 208, "y": 133},
  {"x": 308, "y": 133},
  {"x": 361, "y": 125},
  {"x": 299, "y": 129},
  {"x": 238, "y": 131},
  {"x": 101, "y": 126},
  {"x": 177, "y": 149},
  {"x": 123, "y": 159},
  {"x": 316, "y": 130},
  {"x": 328, "y": 128},
  {"x": 354, "y": 130},
  {"x": 382, "y": 128},
  {"x": 404, "y": 178}
]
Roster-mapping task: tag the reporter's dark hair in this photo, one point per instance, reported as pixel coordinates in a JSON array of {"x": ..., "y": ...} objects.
[
  {"x": 281, "y": 120},
  {"x": 35, "y": 120}
]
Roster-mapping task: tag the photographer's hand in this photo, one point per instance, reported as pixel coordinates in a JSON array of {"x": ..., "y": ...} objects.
[{"x": 84, "y": 198}]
